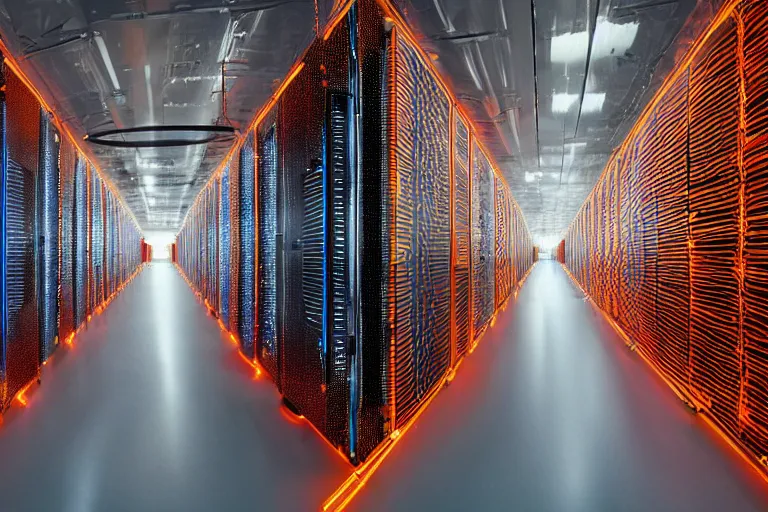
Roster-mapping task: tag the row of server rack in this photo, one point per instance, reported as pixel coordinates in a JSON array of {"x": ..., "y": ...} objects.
[
  {"x": 359, "y": 241},
  {"x": 672, "y": 243},
  {"x": 68, "y": 244}
]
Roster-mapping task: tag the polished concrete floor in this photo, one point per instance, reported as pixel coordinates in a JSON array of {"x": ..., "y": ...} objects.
[
  {"x": 153, "y": 410},
  {"x": 552, "y": 413}
]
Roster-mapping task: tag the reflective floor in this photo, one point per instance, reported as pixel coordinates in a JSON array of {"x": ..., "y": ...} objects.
[
  {"x": 153, "y": 410},
  {"x": 553, "y": 413}
]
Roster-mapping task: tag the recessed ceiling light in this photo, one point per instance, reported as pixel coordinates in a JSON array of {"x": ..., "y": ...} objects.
[{"x": 562, "y": 102}]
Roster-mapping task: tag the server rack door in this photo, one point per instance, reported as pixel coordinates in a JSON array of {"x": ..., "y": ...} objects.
[
  {"x": 22, "y": 349},
  {"x": 224, "y": 247},
  {"x": 247, "y": 241},
  {"x": 314, "y": 275},
  {"x": 68, "y": 157},
  {"x": 461, "y": 191},
  {"x": 48, "y": 236},
  {"x": 80, "y": 236},
  {"x": 269, "y": 245}
]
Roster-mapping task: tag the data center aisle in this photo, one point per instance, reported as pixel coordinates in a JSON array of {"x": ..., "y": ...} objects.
[
  {"x": 153, "y": 410},
  {"x": 553, "y": 413}
]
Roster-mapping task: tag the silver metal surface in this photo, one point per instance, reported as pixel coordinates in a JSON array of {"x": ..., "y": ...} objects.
[{"x": 105, "y": 64}]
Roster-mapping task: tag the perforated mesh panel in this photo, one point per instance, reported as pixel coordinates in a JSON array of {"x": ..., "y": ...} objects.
[
  {"x": 97, "y": 243},
  {"x": 81, "y": 242},
  {"x": 247, "y": 268},
  {"x": 461, "y": 223},
  {"x": 213, "y": 248},
  {"x": 267, "y": 244},
  {"x": 23, "y": 334},
  {"x": 67, "y": 162},
  {"x": 483, "y": 278},
  {"x": 313, "y": 374},
  {"x": 422, "y": 228},
  {"x": 224, "y": 246},
  {"x": 375, "y": 409},
  {"x": 49, "y": 236},
  {"x": 234, "y": 254},
  {"x": 503, "y": 261},
  {"x": 22, "y": 352}
]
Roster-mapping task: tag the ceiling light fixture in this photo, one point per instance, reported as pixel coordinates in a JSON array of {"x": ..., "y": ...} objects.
[
  {"x": 107, "y": 60},
  {"x": 562, "y": 102},
  {"x": 609, "y": 39},
  {"x": 593, "y": 102}
]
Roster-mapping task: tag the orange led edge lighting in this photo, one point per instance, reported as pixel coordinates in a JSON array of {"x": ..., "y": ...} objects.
[
  {"x": 337, "y": 19},
  {"x": 357, "y": 480},
  {"x": 21, "y": 395}
]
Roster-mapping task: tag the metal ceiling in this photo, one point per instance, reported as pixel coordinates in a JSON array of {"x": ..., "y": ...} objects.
[
  {"x": 105, "y": 64},
  {"x": 553, "y": 85}
]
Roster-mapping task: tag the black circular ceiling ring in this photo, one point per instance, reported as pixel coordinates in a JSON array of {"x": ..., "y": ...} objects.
[{"x": 215, "y": 134}]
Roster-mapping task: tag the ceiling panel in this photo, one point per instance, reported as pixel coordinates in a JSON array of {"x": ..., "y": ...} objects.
[
  {"x": 106, "y": 64},
  {"x": 554, "y": 85}
]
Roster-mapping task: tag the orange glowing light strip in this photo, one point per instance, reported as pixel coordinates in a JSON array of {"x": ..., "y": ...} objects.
[
  {"x": 63, "y": 129},
  {"x": 20, "y": 396},
  {"x": 337, "y": 19},
  {"x": 357, "y": 480}
]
